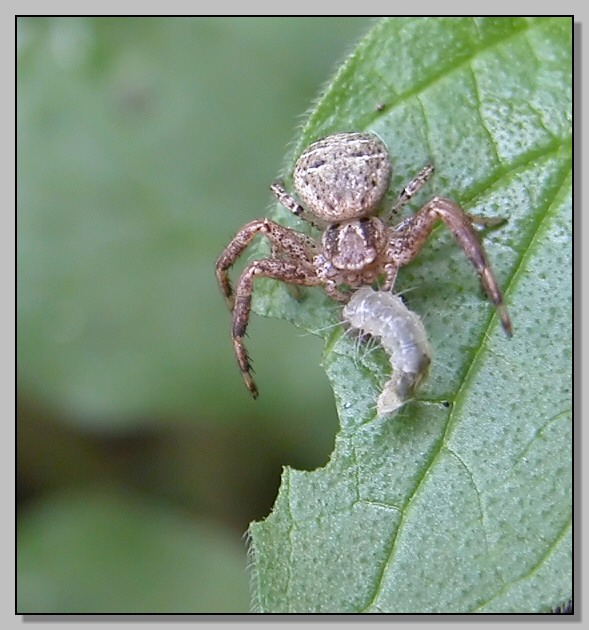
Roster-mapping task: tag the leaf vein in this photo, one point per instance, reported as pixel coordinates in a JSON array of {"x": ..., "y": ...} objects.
[
  {"x": 542, "y": 559},
  {"x": 419, "y": 88},
  {"x": 482, "y": 116},
  {"x": 453, "y": 415}
]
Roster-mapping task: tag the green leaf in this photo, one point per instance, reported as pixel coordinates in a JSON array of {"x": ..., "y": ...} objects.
[{"x": 462, "y": 501}]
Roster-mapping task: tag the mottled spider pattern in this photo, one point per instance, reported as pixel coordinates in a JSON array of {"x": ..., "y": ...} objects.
[{"x": 341, "y": 181}]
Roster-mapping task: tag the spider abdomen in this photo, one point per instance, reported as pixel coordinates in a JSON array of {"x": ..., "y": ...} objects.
[{"x": 343, "y": 176}]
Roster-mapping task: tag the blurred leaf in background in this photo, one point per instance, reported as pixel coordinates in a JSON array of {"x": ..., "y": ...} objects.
[
  {"x": 143, "y": 145},
  {"x": 104, "y": 553}
]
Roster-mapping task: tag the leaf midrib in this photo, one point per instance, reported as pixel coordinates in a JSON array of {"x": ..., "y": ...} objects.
[{"x": 453, "y": 416}]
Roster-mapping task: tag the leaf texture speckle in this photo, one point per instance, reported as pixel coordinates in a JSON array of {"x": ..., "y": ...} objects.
[{"x": 462, "y": 501}]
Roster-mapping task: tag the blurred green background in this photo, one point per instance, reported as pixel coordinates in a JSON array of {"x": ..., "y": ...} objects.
[{"x": 143, "y": 145}]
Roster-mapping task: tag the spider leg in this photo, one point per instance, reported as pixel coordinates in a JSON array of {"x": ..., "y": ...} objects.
[
  {"x": 268, "y": 268},
  {"x": 410, "y": 189},
  {"x": 290, "y": 203},
  {"x": 390, "y": 271},
  {"x": 409, "y": 236},
  {"x": 286, "y": 242}
]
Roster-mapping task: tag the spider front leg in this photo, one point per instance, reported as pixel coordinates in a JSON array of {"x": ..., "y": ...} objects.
[
  {"x": 285, "y": 241},
  {"x": 409, "y": 236},
  {"x": 269, "y": 268}
]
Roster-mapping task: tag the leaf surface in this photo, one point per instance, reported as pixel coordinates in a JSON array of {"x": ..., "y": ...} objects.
[{"x": 461, "y": 502}]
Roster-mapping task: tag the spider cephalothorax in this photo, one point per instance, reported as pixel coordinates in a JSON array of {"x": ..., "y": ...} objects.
[{"x": 342, "y": 180}]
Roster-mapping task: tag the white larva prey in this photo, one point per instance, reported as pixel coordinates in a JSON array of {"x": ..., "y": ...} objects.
[{"x": 402, "y": 335}]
